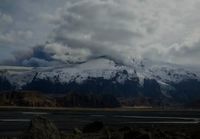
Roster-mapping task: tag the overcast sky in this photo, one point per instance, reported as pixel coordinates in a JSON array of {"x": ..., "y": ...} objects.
[{"x": 50, "y": 32}]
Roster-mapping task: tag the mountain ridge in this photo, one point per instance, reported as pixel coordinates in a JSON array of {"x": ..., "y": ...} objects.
[{"x": 160, "y": 81}]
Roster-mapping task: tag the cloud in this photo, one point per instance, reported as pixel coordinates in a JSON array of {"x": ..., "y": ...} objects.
[
  {"x": 125, "y": 29},
  {"x": 102, "y": 27},
  {"x": 5, "y": 19},
  {"x": 15, "y": 37},
  {"x": 36, "y": 62},
  {"x": 20, "y": 26},
  {"x": 120, "y": 30},
  {"x": 10, "y": 35},
  {"x": 35, "y": 56},
  {"x": 50, "y": 54},
  {"x": 67, "y": 54}
]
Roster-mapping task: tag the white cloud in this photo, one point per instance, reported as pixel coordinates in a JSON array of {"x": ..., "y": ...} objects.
[
  {"x": 14, "y": 37},
  {"x": 66, "y": 54},
  {"x": 9, "y": 35},
  {"x": 5, "y": 19},
  {"x": 130, "y": 28},
  {"x": 119, "y": 29}
]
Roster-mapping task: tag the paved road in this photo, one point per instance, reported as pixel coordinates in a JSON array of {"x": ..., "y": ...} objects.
[{"x": 17, "y": 121}]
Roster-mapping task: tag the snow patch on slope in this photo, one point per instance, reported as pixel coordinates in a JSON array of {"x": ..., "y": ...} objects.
[{"x": 103, "y": 68}]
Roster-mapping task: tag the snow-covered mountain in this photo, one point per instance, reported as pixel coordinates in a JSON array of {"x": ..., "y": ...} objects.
[
  {"x": 151, "y": 79},
  {"x": 107, "y": 69}
]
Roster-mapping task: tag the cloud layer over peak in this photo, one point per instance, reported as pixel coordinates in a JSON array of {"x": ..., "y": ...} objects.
[{"x": 121, "y": 30}]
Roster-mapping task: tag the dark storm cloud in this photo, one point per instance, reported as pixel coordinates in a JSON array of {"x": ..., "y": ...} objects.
[{"x": 35, "y": 56}]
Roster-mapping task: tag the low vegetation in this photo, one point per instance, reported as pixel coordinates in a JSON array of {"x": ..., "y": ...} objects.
[{"x": 42, "y": 128}]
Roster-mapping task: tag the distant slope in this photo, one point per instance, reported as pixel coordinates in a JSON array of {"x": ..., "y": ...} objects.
[
  {"x": 38, "y": 99},
  {"x": 26, "y": 98}
]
